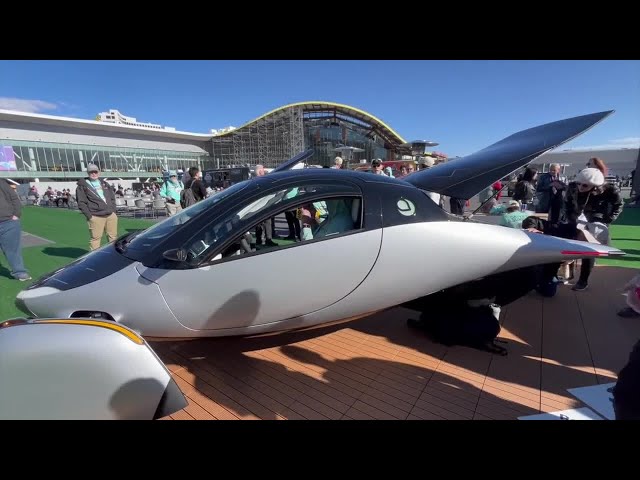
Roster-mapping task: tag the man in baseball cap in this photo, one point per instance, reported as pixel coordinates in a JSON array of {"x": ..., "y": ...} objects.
[{"x": 97, "y": 201}]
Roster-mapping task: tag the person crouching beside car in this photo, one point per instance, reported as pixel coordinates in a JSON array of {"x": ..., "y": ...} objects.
[
  {"x": 513, "y": 217},
  {"x": 170, "y": 191}
]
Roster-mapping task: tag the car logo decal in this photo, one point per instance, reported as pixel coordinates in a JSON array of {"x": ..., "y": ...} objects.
[{"x": 406, "y": 207}]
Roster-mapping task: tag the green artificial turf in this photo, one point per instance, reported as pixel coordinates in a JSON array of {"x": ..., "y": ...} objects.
[
  {"x": 69, "y": 230},
  {"x": 625, "y": 235}
]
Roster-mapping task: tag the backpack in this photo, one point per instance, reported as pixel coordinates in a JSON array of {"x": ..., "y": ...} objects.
[{"x": 187, "y": 198}]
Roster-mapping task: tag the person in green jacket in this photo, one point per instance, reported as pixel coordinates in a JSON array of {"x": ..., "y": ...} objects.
[
  {"x": 170, "y": 190},
  {"x": 513, "y": 217}
]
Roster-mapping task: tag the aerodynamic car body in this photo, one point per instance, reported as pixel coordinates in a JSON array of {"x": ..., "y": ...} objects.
[
  {"x": 74, "y": 369},
  {"x": 370, "y": 243}
]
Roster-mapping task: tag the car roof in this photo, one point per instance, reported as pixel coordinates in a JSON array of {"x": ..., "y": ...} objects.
[{"x": 309, "y": 174}]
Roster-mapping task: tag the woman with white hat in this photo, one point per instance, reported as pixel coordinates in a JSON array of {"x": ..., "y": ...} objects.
[{"x": 598, "y": 201}]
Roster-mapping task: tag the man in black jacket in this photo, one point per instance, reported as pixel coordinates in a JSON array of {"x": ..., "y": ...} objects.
[
  {"x": 196, "y": 184},
  {"x": 97, "y": 201},
  {"x": 11, "y": 232}
]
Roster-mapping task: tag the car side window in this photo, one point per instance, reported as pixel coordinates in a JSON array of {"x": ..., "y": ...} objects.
[
  {"x": 320, "y": 219},
  {"x": 332, "y": 207}
]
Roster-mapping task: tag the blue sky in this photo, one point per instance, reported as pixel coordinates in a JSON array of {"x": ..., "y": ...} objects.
[{"x": 464, "y": 105}]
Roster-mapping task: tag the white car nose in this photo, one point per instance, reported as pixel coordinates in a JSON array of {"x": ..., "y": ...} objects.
[{"x": 36, "y": 292}]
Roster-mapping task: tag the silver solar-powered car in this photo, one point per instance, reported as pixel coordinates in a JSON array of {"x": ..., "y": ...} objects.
[{"x": 369, "y": 243}]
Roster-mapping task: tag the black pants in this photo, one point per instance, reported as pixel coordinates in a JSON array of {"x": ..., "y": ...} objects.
[
  {"x": 457, "y": 205},
  {"x": 555, "y": 207},
  {"x": 585, "y": 269},
  {"x": 293, "y": 223},
  {"x": 570, "y": 231}
]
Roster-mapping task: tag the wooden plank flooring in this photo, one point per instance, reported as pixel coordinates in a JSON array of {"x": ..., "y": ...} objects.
[{"x": 378, "y": 368}]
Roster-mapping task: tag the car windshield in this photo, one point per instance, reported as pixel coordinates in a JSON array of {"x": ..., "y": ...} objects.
[{"x": 150, "y": 237}]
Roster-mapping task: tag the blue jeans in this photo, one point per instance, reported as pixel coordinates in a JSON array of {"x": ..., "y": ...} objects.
[{"x": 10, "y": 243}]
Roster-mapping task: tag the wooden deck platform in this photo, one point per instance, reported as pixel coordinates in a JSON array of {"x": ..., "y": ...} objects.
[{"x": 378, "y": 368}]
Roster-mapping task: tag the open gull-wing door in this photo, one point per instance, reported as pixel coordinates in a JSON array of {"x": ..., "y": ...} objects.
[
  {"x": 467, "y": 176},
  {"x": 289, "y": 164}
]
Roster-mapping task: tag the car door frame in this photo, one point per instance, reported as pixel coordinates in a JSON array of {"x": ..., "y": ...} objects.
[{"x": 370, "y": 215}]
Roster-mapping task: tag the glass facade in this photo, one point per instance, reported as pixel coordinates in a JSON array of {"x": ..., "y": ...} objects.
[
  {"x": 325, "y": 139},
  {"x": 62, "y": 160},
  {"x": 269, "y": 140},
  {"x": 284, "y": 133}
]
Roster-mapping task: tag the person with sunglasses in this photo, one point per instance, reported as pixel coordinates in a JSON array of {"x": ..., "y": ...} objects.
[{"x": 599, "y": 202}]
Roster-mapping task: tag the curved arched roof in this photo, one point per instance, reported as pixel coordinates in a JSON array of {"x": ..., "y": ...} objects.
[{"x": 353, "y": 112}]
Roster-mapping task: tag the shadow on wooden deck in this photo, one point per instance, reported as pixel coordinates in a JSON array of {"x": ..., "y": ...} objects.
[{"x": 378, "y": 368}]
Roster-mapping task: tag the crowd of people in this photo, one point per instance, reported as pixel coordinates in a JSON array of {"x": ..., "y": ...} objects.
[
  {"x": 589, "y": 203},
  {"x": 408, "y": 167}
]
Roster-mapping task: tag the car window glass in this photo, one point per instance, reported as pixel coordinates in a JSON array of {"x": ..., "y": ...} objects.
[
  {"x": 330, "y": 216},
  {"x": 153, "y": 235},
  {"x": 320, "y": 219}
]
